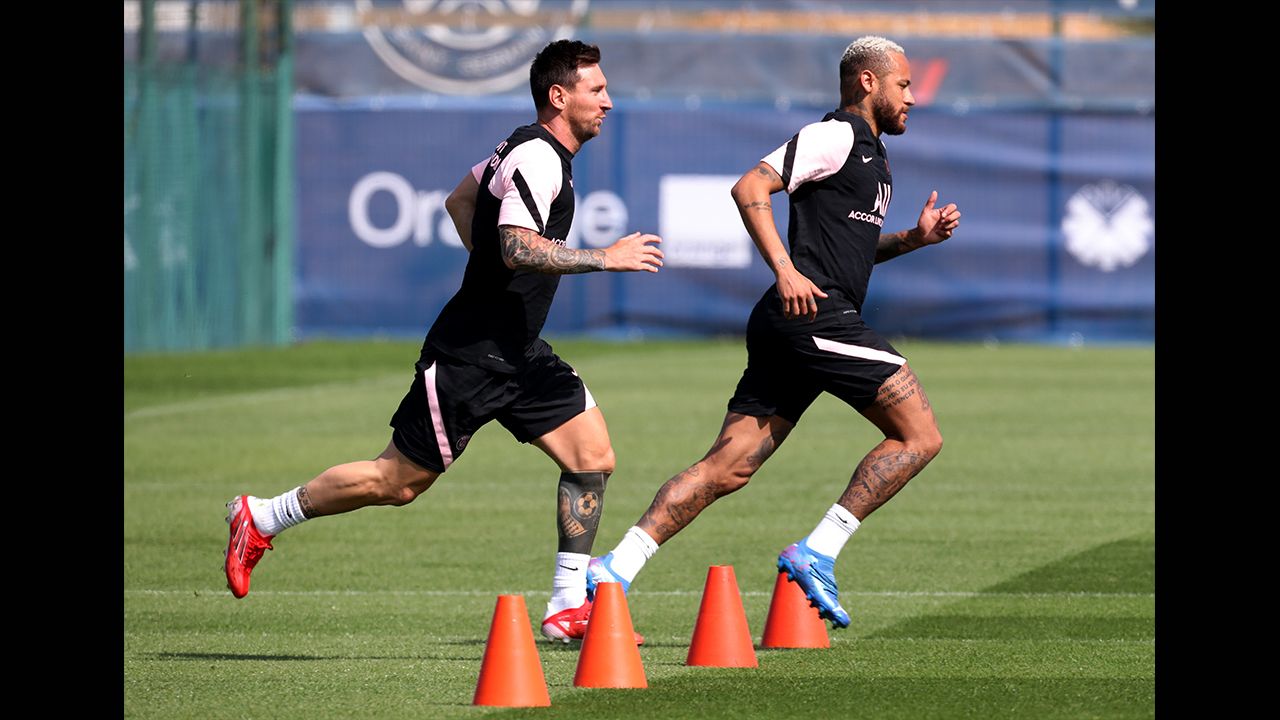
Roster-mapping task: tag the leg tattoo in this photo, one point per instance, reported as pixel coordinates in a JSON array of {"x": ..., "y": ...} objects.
[
  {"x": 677, "y": 503},
  {"x": 581, "y": 501},
  {"x": 767, "y": 446},
  {"x": 304, "y": 502},
  {"x": 906, "y": 449},
  {"x": 684, "y": 496},
  {"x": 899, "y": 388},
  {"x": 880, "y": 475}
]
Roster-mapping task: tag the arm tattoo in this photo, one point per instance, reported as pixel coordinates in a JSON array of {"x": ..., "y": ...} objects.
[
  {"x": 891, "y": 246},
  {"x": 767, "y": 171},
  {"x": 758, "y": 205},
  {"x": 524, "y": 249}
]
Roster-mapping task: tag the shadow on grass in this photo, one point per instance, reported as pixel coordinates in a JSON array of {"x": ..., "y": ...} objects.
[
  {"x": 1123, "y": 566},
  {"x": 1118, "y": 568}
]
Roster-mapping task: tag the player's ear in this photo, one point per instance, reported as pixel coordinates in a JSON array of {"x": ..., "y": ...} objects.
[
  {"x": 867, "y": 80},
  {"x": 558, "y": 96}
]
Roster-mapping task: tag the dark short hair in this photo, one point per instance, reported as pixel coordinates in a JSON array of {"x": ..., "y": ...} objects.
[{"x": 558, "y": 64}]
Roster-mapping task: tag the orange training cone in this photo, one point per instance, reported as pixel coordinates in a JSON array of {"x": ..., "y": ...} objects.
[
  {"x": 792, "y": 623},
  {"x": 609, "y": 657},
  {"x": 511, "y": 673},
  {"x": 721, "y": 638}
]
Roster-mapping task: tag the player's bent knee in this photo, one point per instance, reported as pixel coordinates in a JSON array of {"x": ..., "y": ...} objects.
[
  {"x": 595, "y": 460},
  {"x": 400, "y": 492},
  {"x": 384, "y": 491},
  {"x": 405, "y": 496},
  {"x": 735, "y": 479},
  {"x": 734, "y": 482},
  {"x": 607, "y": 461},
  {"x": 928, "y": 443}
]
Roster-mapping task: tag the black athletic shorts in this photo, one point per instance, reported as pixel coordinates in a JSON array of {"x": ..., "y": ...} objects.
[
  {"x": 450, "y": 400},
  {"x": 790, "y": 362}
]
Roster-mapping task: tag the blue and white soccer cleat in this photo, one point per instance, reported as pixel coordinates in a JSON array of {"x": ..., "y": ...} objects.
[
  {"x": 816, "y": 576},
  {"x": 600, "y": 569}
]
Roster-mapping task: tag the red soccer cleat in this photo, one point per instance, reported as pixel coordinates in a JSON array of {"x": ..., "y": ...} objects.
[
  {"x": 571, "y": 624},
  {"x": 245, "y": 547}
]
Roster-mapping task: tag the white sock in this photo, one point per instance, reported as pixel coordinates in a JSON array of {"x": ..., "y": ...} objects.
[
  {"x": 833, "y": 531},
  {"x": 632, "y": 553},
  {"x": 569, "y": 586},
  {"x": 278, "y": 514}
]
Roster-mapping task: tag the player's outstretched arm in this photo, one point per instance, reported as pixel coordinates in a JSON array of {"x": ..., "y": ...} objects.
[
  {"x": 751, "y": 195},
  {"x": 934, "y": 226},
  {"x": 524, "y": 249},
  {"x": 461, "y": 206}
]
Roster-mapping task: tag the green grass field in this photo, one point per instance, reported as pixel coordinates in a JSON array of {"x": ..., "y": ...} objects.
[{"x": 1014, "y": 578}]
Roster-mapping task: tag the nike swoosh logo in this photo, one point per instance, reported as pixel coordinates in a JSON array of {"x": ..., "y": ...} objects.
[
  {"x": 866, "y": 159},
  {"x": 846, "y": 522},
  {"x": 566, "y": 567}
]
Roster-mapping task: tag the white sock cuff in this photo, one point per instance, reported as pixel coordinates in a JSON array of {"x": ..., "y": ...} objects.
[
  {"x": 833, "y": 531},
  {"x": 838, "y": 513},
  {"x": 572, "y": 560},
  {"x": 571, "y": 570},
  {"x": 648, "y": 544},
  {"x": 569, "y": 584},
  {"x": 292, "y": 509}
]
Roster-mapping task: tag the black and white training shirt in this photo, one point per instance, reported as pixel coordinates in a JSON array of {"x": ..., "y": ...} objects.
[
  {"x": 836, "y": 173},
  {"x": 495, "y": 317}
]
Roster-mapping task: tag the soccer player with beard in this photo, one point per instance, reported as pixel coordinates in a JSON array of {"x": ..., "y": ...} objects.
[
  {"x": 483, "y": 358},
  {"x": 806, "y": 335}
]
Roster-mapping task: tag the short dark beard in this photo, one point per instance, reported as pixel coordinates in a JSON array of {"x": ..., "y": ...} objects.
[
  {"x": 886, "y": 116},
  {"x": 584, "y": 134}
]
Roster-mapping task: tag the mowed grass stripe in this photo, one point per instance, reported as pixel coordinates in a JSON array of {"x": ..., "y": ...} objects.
[{"x": 238, "y": 401}]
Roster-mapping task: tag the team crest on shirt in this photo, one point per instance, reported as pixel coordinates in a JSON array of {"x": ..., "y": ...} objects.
[
  {"x": 461, "y": 444},
  {"x": 465, "y": 47},
  {"x": 1107, "y": 225}
]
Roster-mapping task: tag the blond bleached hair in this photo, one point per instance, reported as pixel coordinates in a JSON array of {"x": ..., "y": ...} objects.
[{"x": 869, "y": 52}]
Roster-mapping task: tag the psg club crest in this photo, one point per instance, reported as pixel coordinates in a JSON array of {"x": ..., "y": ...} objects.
[
  {"x": 1108, "y": 225},
  {"x": 465, "y": 47}
]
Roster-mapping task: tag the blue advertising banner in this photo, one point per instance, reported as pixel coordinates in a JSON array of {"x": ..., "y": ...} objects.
[{"x": 1057, "y": 241}]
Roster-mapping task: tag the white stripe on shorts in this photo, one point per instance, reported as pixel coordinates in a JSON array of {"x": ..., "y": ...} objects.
[
  {"x": 433, "y": 400},
  {"x": 857, "y": 351},
  {"x": 591, "y": 401}
]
